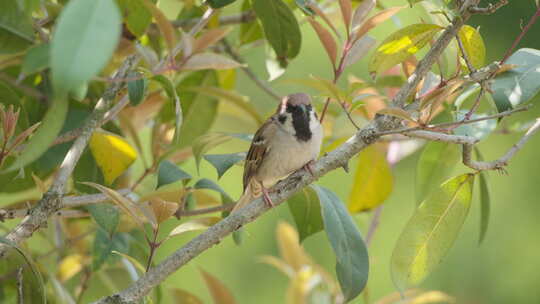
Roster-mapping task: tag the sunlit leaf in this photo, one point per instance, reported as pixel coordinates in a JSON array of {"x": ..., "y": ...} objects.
[
  {"x": 223, "y": 162},
  {"x": 86, "y": 34},
  {"x": 220, "y": 293},
  {"x": 169, "y": 173},
  {"x": 373, "y": 180},
  {"x": 434, "y": 166},
  {"x": 112, "y": 153},
  {"x": 401, "y": 45},
  {"x": 306, "y": 211},
  {"x": 520, "y": 84},
  {"x": 280, "y": 28},
  {"x": 70, "y": 266},
  {"x": 431, "y": 231},
  {"x": 193, "y": 225},
  {"x": 352, "y": 264},
  {"x": 397, "y": 112},
  {"x": 474, "y": 45}
]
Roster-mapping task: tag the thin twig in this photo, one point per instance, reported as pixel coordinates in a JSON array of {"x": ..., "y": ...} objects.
[
  {"x": 375, "y": 220},
  {"x": 521, "y": 35},
  {"x": 260, "y": 83},
  {"x": 503, "y": 161}
]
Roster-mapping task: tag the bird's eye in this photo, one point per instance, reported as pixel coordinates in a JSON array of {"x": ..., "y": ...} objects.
[{"x": 282, "y": 118}]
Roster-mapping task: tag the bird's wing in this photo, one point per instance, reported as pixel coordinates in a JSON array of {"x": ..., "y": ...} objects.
[{"x": 257, "y": 150}]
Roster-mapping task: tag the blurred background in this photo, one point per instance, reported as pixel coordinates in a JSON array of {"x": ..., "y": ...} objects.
[{"x": 504, "y": 269}]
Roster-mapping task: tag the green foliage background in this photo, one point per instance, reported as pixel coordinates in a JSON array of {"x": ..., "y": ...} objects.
[{"x": 504, "y": 269}]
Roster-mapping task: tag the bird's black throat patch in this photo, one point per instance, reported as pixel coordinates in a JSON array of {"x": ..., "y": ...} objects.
[{"x": 300, "y": 122}]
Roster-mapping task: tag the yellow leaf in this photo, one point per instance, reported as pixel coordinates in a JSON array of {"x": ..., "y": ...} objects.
[
  {"x": 70, "y": 266},
  {"x": 289, "y": 247},
  {"x": 401, "y": 45},
  {"x": 474, "y": 45},
  {"x": 277, "y": 263},
  {"x": 372, "y": 181},
  {"x": 132, "y": 260},
  {"x": 112, "y": 153},
  {"x": 220, "y": 293}
]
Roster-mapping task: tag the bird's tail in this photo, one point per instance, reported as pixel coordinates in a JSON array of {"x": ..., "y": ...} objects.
[{"x": 249, "y": 195}]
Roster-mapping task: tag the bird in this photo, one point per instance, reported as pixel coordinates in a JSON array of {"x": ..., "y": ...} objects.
[{"x": 286, "y": 142}]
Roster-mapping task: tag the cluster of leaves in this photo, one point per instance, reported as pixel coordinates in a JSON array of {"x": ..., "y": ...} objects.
[{"x": 53, "y": 78}]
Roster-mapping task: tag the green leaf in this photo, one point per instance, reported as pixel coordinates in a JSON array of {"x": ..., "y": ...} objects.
[
  {"x": 205, "y": 183},
  {"x": 219, "y": 3},
  {"x": 223, "y": 162},
  {"x": 474, "y": 45},
  {"x": 207, "y": 142},
  {"x": 373, "y": 181},
  {"x": 306, "y": 211},
  {"x": 435, "y": 164},
  {"x": 401, "y": 45},
  {"x": 136, "y": 87},
  {"x": 280, "y": 28},
  {"x": 479, "y": 130},
  {"x": 44, "y": 136},
  {"x": 136, "y": 16},
  {"x": 520, "y": 84},
  {"x": 104, "y": 245},
  {"x": 105, "y": 215},
  {"x": 36, "y": 59},
  {"x": 485, "y": 200},
  {"x": 199, "y": 111},
  {"x": 431, "y": 232},
  {"x": 169, "y": 173},
  {"x": 86, "y": 35},
  {"x": 352, "y": 265},
  {"x": 87, "y": 170},
  {"x": 16, "y": 31}
]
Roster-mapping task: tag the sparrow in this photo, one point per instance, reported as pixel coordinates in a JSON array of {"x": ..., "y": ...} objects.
[{"x": 287, "y": 141}]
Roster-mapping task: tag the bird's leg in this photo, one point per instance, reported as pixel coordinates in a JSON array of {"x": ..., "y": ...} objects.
[
  {"x": 266, "y": 197},
  {"x": 309, "y": 167}
]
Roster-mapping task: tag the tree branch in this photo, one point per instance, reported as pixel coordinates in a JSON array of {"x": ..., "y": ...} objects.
[
  {"x": 52, "y": 199},
  {"x": 336, "y": 159},
  {"x": 67, "y": 202},
  {"x": 503, "y": 161}
]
